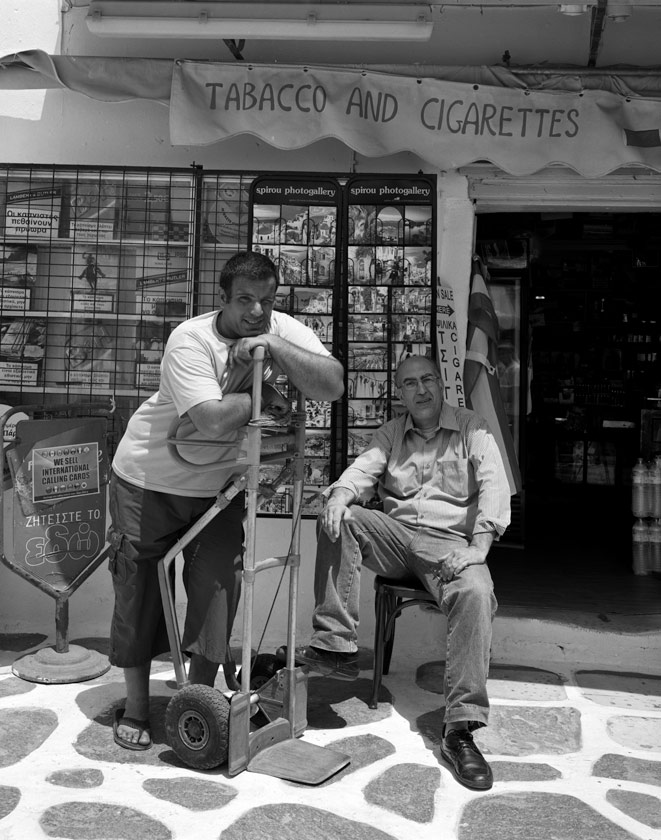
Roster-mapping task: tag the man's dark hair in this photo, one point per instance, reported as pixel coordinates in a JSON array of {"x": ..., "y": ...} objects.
[{"x": 249, "y": 264}]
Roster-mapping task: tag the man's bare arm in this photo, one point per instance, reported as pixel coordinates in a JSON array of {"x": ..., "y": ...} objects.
[
  {"x": 215, "y": 418},
  {"x": 318, "y": 377}
]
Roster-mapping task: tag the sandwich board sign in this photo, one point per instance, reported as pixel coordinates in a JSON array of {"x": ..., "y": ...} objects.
[{"x": 59, "y": 470}]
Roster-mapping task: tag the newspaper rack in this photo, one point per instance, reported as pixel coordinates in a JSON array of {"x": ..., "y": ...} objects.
[{"x": 206, "y": 728}]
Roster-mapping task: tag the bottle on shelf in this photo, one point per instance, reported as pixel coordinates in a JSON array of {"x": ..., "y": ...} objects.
[
  {"x": 640, "y": 490},
  {"x": 655, "y": 475},
  {"x": 640, "y": 548},
  {"x": 654, "y": 533}
]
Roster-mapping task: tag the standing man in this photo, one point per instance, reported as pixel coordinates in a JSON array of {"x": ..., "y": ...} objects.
[
  {"x": 206, "y": 377},
  {"x": 440, "y": 477}
]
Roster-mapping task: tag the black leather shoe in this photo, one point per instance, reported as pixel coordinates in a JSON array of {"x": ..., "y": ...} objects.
[
  {"x": 467, "y": 763},
  {"x": 340, "y": 666}
]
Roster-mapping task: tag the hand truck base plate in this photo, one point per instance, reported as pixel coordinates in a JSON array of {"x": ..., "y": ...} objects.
[{"x": 298, "y": 761}]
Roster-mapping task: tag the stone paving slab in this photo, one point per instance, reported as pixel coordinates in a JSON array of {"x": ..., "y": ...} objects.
[
  {"x": 636, "y": 733},
  {"x": 22, "y": 731},
  {"x": 194, "y": 794},
  {"x": 406, "y": 789},
  {"x": 299, "y": 822},
  {"x": 12, "y": 686},
  {"x": 641, "y": 806},
  {"x": 520, "y": 771},
  {"x": 363, "y": 750},
  {"x": 88, "y": 778},
  {"x": 84, "y": 820},
  {"x": 623, "y": 690},
  {"x": 576, "y": 755},
  {"x": 629, "y": 768},
  {"x": 522, "y": 816},
  {"x": 9, "y": 799},
  {"x": 506, "y": 682},
  {"x": 518, "y": 730}
]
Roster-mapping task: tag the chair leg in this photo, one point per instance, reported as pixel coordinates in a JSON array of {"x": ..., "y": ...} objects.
[
  {"x": 389, "y": 631},
  {"x": 380, "y": 604}
]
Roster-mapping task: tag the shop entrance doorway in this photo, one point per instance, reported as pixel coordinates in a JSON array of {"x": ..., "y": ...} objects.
[{"x": 585, "y": 332}]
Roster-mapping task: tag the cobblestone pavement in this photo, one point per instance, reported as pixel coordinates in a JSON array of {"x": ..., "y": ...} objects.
[{"x": 576, "y": 755}]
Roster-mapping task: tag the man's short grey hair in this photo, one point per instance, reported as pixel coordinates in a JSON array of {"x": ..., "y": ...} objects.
[{"x": 432, "y": 362}]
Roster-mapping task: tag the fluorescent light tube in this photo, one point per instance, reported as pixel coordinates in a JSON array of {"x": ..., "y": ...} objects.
[{"x": 293, "y": 22}]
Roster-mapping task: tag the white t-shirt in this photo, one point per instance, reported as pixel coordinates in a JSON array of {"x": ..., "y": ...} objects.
[{"x": 193, "y": 370}]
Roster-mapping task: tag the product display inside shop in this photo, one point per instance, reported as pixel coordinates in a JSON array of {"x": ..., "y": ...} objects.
[{"x": 588, "y": 362}]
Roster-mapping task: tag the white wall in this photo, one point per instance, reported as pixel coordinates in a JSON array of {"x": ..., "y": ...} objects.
[{"x": 33, "y": 26}]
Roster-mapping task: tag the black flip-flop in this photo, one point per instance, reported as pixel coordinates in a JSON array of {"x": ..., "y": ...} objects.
[{"x": 140, "y": 725}]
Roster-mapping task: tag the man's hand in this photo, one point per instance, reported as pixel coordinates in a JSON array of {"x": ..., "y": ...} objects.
[
  {"x": 332, "y": 517},
  {"x": 242, "y": 349},
  {"x": 455, "y": 561},
  {"x": 274, "y": 404}
]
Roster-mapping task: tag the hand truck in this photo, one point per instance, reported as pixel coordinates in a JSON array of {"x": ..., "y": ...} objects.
[{"x": 205, "y": 727}]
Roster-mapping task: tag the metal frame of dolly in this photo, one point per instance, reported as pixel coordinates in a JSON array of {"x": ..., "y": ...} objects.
[{"x": 204, "y": 728}]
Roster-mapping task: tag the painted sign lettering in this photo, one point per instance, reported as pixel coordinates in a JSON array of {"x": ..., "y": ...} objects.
[{"x": 449, "y": 124}]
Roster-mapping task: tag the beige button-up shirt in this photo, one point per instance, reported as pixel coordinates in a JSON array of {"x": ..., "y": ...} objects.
[{"x": 453, "y": 481}]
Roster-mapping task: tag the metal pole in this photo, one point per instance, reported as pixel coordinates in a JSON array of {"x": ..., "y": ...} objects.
[
  {"x": 62, "y": 624},
  {"x": 294, "y": 560},
  {"x": 254, "y": 445}
]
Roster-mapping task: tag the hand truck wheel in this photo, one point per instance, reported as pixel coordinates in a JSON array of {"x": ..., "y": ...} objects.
[{"x": 197, "y": 726}]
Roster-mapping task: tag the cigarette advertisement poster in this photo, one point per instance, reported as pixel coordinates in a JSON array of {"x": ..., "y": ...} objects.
[
  {"x": 162, "y": 285},
  {"x": 59, "y": 471},
  {"x": 95, "y": 278},
  {"x": 22, "y": 348},
  {"x": 92, "y": 209},
  {"x": 18, "y": 271},
  {"x": 89, "y": 355},
  {"x": 33, "y": 211}
]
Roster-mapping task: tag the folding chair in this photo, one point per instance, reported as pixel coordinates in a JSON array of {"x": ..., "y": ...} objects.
[{"x": 390, "y": 599}]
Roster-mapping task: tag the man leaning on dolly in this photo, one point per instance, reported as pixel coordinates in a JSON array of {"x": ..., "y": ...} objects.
[
  {"x": 438, "y": 473},
  {"x": 206, "y": 377}
]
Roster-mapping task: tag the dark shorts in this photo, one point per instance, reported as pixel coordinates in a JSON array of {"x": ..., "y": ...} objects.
[{"x": 145, "y": 525}]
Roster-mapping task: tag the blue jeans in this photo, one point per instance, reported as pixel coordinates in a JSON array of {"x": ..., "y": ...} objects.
[{"x": 398, "y": 551}]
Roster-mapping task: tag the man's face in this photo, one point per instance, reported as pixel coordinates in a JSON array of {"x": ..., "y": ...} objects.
[
  {"x": 421, "y": 390},
  {"x": 247, "y": 310}
]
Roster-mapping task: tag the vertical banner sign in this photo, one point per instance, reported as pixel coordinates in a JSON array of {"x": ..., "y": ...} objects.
[
  {"x": 59, "y": 470},
  {"x": 294, "y": 222},
  {"x": 447, "y": 338},
  {"x": 389, "y": 293}
]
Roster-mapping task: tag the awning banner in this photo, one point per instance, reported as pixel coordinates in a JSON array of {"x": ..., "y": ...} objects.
[{"x": 449, "y": 124}]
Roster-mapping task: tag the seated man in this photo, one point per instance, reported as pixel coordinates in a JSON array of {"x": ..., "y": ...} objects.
[{"x": 439, "y": 474}]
